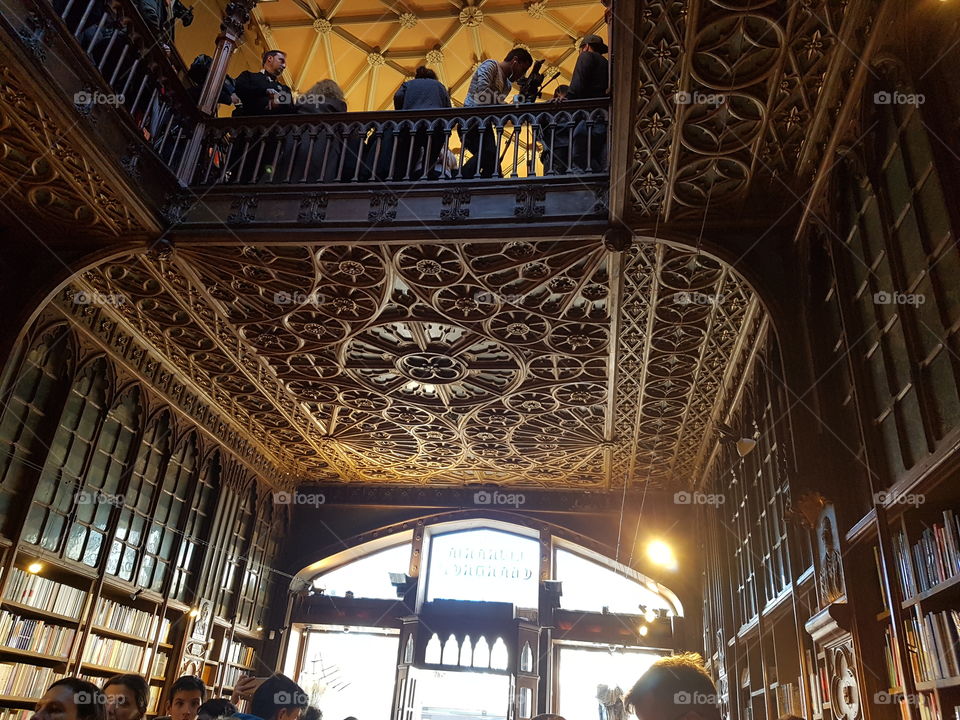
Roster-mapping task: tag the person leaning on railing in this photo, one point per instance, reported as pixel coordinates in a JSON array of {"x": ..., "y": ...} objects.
[
  {"x": 591, "y": 79},
  {"x": 262, "y": 93},
  {"x": 489, "y": 85}
]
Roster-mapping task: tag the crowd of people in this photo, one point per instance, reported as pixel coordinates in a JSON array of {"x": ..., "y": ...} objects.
[
  {"x": 673, "y": 688},
  {"x": 402, "y": 152},
  {"x": 125, "y": 697}
]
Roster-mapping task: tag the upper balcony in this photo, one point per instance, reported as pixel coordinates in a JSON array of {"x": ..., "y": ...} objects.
[{"x": 203, "y": 178}]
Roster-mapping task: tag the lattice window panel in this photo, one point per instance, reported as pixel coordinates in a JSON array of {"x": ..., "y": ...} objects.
[
  {"x": 34, "y": 392},
  {"x": 139, "y": 496},
  {"x": 172, "y": 501},
  {"x": 56, "y": 494},
  {"x": 196, "y": 532},
  {"x": 104, "y": 479}
]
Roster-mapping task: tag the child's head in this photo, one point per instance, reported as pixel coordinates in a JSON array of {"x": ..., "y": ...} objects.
[
  {"x": 216, "y": 708},
  {"x": 186, "y": 697}
]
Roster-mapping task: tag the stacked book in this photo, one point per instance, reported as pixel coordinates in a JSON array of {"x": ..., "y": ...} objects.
[
  {"x": 932, "y": 560},
  {"x": 158, "y": 668},
  {"x": 114, "y": 616},
  {"x": 240, "y": 654},
  {"x": 889, "y": 657},
  {"x": 111, "y": 653},
  {"x": 933, "y": 645},
  {"x": 35, "y": 635},
  {"x": 26, "y": 681},
  {"x": 43, "y": 594}
]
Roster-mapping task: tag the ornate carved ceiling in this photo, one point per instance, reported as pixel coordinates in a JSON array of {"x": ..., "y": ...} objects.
[
  {"x": 734, "y": 94},
  {"x": 371, "y": 46},
  {"x": 552, "y": 364}
]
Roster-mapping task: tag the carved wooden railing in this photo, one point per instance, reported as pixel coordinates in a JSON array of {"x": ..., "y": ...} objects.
[
  {"x": 542, "y": 140},
  {"x": 144, "y": 75}
]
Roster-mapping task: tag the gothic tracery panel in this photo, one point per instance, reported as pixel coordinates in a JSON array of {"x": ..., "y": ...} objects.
[{"x": 441, "y": 364}]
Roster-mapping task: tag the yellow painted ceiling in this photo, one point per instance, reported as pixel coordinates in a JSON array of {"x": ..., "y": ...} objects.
[{"x": 371, "y": 46}]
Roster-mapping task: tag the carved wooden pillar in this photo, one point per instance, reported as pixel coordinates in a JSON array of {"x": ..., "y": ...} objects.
[
  {"x": 236, "y": 15},
  {"x": 235, "y": 18}
]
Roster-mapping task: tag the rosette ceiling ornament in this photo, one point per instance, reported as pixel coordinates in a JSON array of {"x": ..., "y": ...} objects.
[{"x": 553, "y": 364}]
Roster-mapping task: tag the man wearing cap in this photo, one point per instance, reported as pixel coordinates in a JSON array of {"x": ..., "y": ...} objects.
[{"x": 591, "y": 79}]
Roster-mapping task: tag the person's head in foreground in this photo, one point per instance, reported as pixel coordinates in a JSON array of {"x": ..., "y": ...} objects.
[
  {"x": 675, "y": 688},
  {"x": 279, "y": 698},
  {"x": 186, "y": 696},
  {"x": 126, "y": 697},
  {"x": 71, "y": 699},
  {"x": 216, "y": 708},
  {"x": 312, "y": 713}
]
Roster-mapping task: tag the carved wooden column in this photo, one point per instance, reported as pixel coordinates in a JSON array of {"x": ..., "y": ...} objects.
[
  {"x": 235, "y": 18},
  {"x": 236, "y": 15}
]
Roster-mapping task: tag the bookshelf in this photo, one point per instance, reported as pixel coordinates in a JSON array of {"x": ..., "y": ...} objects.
[{"x": 925, "y": 545}]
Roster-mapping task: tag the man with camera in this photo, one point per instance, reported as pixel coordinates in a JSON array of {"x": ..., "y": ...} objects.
[
  {"x": 489, "y": 85},
  {"x": 262, "y": 93}
]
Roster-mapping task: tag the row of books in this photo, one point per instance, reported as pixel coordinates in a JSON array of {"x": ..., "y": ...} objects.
[
  {"x": 932, "y": 643},
  {"x": 44, "y": 594},
  {"x": 934, "y": 559},
  {"x": 27, "y": 681},
  {"x": 109, "y": 652},
  {"x": 239, "y": 653},
  {"x": 231, "y": 674},
  {"x": 890, "y": 655},
  {"x": 788, "y": 699},
  {"x": 114, "y": 616},
  {"x": 12, "y": 714},
  {"x": 819, "y": 685},
  {"x": 35, "y": 635}
]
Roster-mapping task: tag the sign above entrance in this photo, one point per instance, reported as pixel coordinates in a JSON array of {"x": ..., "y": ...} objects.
[{"x": 486, "y": 565}]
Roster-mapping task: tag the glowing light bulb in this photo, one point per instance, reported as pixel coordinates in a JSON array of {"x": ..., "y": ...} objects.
[
  {"x": 34, "y": 567},
  {"x": 644, "y": 630},
  {"x": 662, "y": 554}
]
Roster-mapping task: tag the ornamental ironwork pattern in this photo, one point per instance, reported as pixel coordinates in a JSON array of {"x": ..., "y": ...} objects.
[
  {"x": 447, "y": 364},
  {"x": 729, "y": 92}
]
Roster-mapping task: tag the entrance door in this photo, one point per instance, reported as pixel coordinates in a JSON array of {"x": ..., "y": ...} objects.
[{"x": 454, "y": 695}]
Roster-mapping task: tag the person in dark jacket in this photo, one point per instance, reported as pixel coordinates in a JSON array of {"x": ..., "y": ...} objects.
[
  {"x": 262, "y": 93},
  {"x": 591, "y": 79},
  {"x": 423, "y": 92},
  {"x": 199, "y": 69}
]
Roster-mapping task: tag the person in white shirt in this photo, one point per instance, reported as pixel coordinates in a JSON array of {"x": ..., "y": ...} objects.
[{"x": 489, "y": 85}]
